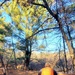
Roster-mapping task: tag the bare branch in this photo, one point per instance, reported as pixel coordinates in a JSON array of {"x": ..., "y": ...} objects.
[
  {"x": 3, "y": 2},
  {"x": 41, "y": 31},
  {"x": 45, "y": 29},
  {"x": 38, "y": 4},
  {"x": 43, "y": 22},
  {"x": 49, "y": 10},
  {"x": 45, "y": 5}
]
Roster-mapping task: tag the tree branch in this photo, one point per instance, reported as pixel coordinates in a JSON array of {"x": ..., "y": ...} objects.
[
  {"x": 40, "y": 31},
  {"x": 3, "y": 2},
  {"x": 43, "y": 22},
  {"x": 50, "y": 11},
  {"x": 44, "y": 30},
  {"x": 38, "y": 4},
  {"x": 45, "y": 5}
]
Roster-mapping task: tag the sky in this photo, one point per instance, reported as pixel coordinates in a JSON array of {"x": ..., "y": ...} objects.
[{"x": 7, "y": 17}]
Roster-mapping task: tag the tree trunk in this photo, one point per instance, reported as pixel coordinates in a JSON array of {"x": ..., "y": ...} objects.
[
  {"x": 66, "y": 69},
  {"x": 28, "y": 53},
  {"x": 15, "y": 59},
  {"x": 71, "y": 51},
  {"x": 71, "y": 42},
  {"x": 1, "y": 58}
]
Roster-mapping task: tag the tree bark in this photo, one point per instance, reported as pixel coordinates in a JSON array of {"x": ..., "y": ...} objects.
[{"x": 28, "y": 53}]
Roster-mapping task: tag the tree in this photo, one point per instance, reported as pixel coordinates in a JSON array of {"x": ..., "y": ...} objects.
[
  {"x": 22, "y": 22},
  {"x": 4, "y": 31},
  {"x": 57, "y": 18}
]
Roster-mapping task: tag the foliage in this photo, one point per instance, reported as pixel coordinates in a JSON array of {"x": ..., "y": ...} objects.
[
  {"x": 5, "y": 30},
  {"x": 25, "y": 18}
]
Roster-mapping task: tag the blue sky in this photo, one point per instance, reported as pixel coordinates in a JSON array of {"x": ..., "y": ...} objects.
[
  {"x": 1, "y": 0},
  {"x": 7, "y": 17}
]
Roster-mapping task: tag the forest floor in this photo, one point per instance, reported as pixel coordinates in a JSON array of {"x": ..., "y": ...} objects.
[
  {"x": 25, "y": 72},
  {"x": 29, "y": 72},
  {"x": 19, "y": 72}
]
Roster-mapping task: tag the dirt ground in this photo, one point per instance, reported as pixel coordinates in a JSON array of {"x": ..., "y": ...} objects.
[
  {"x": 19, "y": 72},
  {"x": 25, "y": 72}
]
